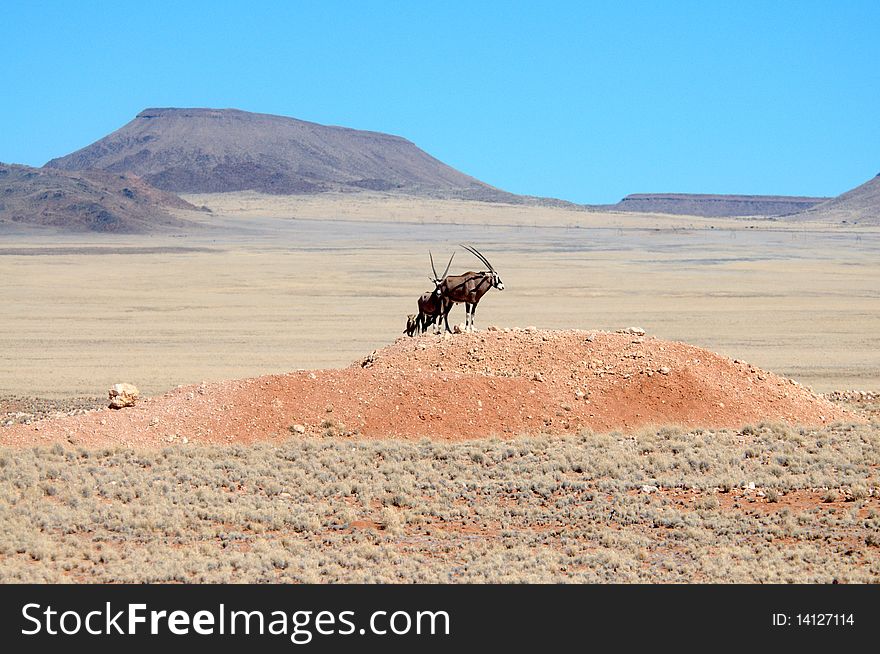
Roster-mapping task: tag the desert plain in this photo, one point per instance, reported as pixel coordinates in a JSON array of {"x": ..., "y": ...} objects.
[
  {"x": 270, "y": 285},
  {"x": 276, "y": 283}
]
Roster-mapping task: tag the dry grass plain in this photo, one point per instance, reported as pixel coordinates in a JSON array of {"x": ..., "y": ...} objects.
[
  {"x": 274, "y": 284},
  {"x": 763, "y": 504}
]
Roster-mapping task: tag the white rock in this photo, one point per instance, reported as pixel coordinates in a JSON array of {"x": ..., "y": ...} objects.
[
  {"x": 647, "y": 488},
  {"x": 123, "y": 395}
]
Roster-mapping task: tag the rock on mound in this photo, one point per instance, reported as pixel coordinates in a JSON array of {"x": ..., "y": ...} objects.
[{"x": 501, "y": 383}]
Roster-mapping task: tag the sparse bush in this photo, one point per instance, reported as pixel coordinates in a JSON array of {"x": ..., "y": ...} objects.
[
  {"x": 858, "y": 492},
  {"x": 531, "y": 509}
]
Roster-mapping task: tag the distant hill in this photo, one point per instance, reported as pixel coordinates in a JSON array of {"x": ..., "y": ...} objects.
[
  {"x": 84, "y": 201},
  {"x": 715, "y": 205},
  {"x": 860, "y": 205},
  {"x": 222, "y": 150}
]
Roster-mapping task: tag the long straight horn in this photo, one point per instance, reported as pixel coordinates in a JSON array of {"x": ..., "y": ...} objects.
[
  {"x": 432, "y": 264},
  {"x": 477, "y": 254},
  {"x": 446, "y": 272}
]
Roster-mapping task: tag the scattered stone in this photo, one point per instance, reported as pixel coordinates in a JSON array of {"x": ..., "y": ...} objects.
[
  {"x": 459, "y": 328},
  {"x": 492, "y": 328},
  {"x": 663, "y": 370},
  {"x": 123, "y": 395},
  {"x": 298, "y": 429},
  {"x": 648, "y": 488},
  {"x": 538, "y": 377},
  {"x": 851, "y": 395}
]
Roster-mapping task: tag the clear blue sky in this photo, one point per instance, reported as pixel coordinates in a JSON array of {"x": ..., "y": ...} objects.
[{"x": 582, "y": 101}]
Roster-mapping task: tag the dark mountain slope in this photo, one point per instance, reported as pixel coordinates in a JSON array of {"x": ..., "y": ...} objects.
[
  {"x": 84, "y": 201},
  {"x": 221, "y": 150},
  {"x": 860, "y": 205},
  {"x": 715, "y": 205}
]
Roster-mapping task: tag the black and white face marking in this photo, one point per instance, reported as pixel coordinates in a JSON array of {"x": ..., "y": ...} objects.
[{"x": 496, "y": 281}]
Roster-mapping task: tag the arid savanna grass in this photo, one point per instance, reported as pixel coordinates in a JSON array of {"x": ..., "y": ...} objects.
[{"x": 763, "y": 504}]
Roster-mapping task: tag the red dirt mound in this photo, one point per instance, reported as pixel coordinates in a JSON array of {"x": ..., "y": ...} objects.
[{"x": 492, "y": 383}]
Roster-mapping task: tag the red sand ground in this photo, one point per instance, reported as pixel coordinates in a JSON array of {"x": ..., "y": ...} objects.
[{"x": 492, "y": 383}]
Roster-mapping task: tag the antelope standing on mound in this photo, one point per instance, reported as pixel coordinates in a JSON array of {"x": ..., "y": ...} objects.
[
  {"x": 467, "y": 288},
  {"x": 431, "y": 305}
]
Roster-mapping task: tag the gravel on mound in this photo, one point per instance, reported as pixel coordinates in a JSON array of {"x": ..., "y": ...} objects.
[
  {"x": 501, "y": 383},
  {"x": 15, "y": 409}
]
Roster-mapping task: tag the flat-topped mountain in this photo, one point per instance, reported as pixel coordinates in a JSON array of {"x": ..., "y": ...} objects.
[
  {"x": 221, "y": 150},
  {"x": 84, "y": 201},
  {"x": 711, "y": 206},
  {"x": 860, "y": 205}
]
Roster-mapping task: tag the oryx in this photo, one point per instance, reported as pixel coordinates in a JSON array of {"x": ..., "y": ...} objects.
[
  {"x": 431, "y": 305},
  {"x": 468, "y": 288}
]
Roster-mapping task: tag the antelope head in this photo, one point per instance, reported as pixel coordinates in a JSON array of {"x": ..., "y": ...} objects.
[
  {"x": 491, "y": 273},
  {"x": 439, "y": 279}
]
